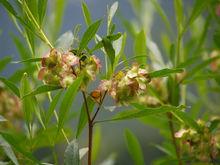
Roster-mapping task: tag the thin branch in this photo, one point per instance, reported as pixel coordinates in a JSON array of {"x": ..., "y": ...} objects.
[
  {"x": 99, "y": 107},
  {"x": 87, "y": 108}
]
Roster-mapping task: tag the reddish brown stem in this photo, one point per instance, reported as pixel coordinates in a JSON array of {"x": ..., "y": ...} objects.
[{"x": 90, "y": 124}]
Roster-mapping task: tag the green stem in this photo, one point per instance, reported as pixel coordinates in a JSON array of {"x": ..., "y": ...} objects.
[{"x": 172, "y": 131}]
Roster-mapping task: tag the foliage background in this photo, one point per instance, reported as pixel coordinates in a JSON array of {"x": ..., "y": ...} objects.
[{"x": 112, "y": 141}]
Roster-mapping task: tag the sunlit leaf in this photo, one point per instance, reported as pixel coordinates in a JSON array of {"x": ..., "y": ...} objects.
[
  {"x": 42, "y": 6},
  {"x": 89, "y": 34},
  {"x": 86, "y": 14},
  {"x": 140, "y": 47}
]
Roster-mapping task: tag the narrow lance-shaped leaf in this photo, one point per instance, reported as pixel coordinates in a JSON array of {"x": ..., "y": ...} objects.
[
  {"x": 71, "y": 155},
  {"x": 111, "y": 14},
  {"x": 134, "y": 148},
  {"x": 3, "y": 62},
  {"x": 164, "y": 72},
  {"x": 178, "y": 6},
  {"x": 97, "y": 138},
  {"x": 140, "y": 48},
  {"x": 109, "y": 50},
  {"x": 52, "y": 107},
  {"x": 112, "y": 37},
  {"x": 42, "y": 6},
  {"x": 89, "y": 34},
  {"x": 83, "y": 117},
  {"x": 28, "y": 60},
  {"x": 200, "y": 66},
  {"x": 67, "y": 101},
  {"x": 30, "y": 104},
  {"x": 9, "y": 7},
  {"x": 42, "y": 89},
  {"x": 15, "y": 144},
  {"x": 86, "y": 14},
  {"x": 141, "y": 111},
  {"x": 22, "y": 49},
  {"x": 11, "y": 86},
  {"x": 198, "y": 7},
  {"x": 8, "y": 150}
]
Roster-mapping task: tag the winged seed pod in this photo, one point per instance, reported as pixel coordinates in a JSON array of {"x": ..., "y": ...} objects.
[
  {"x": 63, "y": 68},
  {"x": 202, "y": 146}
]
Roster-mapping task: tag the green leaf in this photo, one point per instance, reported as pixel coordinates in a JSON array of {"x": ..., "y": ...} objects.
[
  {"x": 198, "y": 7},
  {"x": 42, "y": 6},
  {"x": 52, "y": 107},
  {"x": 89, "y": 34},
  {"x": 3, "y": 62},
  {"x": 16, "y": 145},
  {"x": 23, "y": 51},
  {"x": 111, "y": 14},
  {"x": 109, "y": 50},
  {"x": 189, "y": 62},
  {"x": 214, "y": 124},
  {"x": 164, "y": 72},
  {"x": 11, "y": 86},
  {"x": 134, "y": 148},
  {"x": 30, "y": 60},
  {"x": 178, "y": 6},
  {"x": 119, "y": 46},
  {"x": 42, "y": 89},
  {"x": 67, "y": 101},
  {"x": 216, "y": 38},
  {"x": 97, "y": 138},
  {"x": 86, "y": 14},
  {"x": 83, "y": 117},
  {"x": 201, "y": 77},
  {"x": 30, "y": 104},
  {"x": 141, "y": 111},
  {"x": 9, "y": 7},
  {"x": 140, "y": 48},
  {"x": 71, "y": 155},
  {"x": 187, "y": 119},
  {"x": 200, "y": 66},
  {"x": 112, "y": 37},
  {"x": 8, "y": 150}
]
